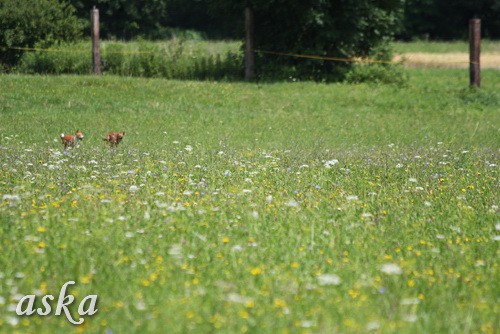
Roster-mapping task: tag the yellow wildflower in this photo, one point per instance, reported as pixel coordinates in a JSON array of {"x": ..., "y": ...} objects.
[{"x": 256, "y": 271}]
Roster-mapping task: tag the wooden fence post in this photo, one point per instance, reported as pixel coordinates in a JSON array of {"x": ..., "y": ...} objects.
[
  {"x": 249, "y": 44},
  {"x": 474, "y": 52},
  {"x": 94, "y": 32}
]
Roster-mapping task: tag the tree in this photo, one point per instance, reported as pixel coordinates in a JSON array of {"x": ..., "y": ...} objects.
[
  {"x": 200, "y": 15},
  {"x": 126, "y": 19},
  {"x": 446, "y": 20},
  {"x": 26, "y": 23},
  {"x": 338, "y": 28}
]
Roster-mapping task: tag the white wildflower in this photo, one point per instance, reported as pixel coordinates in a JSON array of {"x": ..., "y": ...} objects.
[
  {"x": 391, "y": 269},
  {"x": 236, "y": 298},
  {"x": 175, "y": 251},
  {"x": 409, "y": 301},
  {"x": 330, "y": 163},
  {"x": 13, "y": 321},
  {"x": 372, "y": 326},
  {"x": 236, "y": 248},
  {"x": 292, "y": 203},
  {"x": 307, "y": 323},
  {"x": 140, "y": 305},
  {"x": 329, "y": 279},
  {"x": 410, "y": 318},
  {"x": 12, "y": 198}
]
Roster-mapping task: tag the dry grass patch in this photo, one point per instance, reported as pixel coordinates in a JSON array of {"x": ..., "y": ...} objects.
[{"x": 447, "y": 60}]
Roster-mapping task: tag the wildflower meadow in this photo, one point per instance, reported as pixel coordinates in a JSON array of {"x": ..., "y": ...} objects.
[{"x": 233, "y": 207}]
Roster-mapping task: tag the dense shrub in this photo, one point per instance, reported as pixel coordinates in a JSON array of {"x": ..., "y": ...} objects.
[
  {"x": 377, "y": 73},
  {"x": 29, "y": 23}
]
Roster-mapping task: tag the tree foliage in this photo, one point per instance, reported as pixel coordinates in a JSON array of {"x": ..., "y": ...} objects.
[
  {"x": 436, "y": 19},
  {"x": 26, "y": 23},
  {"x": 338, "y": 28},
  {"x": 125, "y": 19},
  {"x": 446, "y": 20}
]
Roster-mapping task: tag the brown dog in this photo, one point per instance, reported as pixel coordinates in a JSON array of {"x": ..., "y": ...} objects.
[
  {"x": 70, "y": 140},
  {"x": 114, "y": 138}
]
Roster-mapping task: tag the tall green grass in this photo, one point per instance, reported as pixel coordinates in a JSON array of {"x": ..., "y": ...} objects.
[
  {"x": 172, "y": 59},
  {"x": 435, "y": 106}
]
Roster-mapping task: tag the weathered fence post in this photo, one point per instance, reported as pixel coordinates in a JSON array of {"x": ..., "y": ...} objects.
[
  {"x": 249, "y": 44},
  {"x": 474, "y": 52},
  {"x": 94, "y": 32}
]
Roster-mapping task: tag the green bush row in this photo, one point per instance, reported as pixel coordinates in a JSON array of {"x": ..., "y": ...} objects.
[{"x": 184, "y": 59}]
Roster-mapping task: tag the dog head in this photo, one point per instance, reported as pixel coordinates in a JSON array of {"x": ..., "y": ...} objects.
[{"x": 79, "y": 135}]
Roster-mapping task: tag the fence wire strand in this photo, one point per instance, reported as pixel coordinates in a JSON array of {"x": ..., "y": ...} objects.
[{"x": 294, "y": 55}]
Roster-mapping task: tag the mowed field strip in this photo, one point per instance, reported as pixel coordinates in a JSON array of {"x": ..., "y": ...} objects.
[
  {"x": 436, "y": 54},
  {"x": 447, "y": 60}
]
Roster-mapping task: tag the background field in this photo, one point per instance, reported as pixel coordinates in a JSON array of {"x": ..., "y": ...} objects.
[
  {"x": 427, "y": 54},
  {"x": 444, "y": 47},
  {"x": 261, "y": 208},
  {"x": 197, "y": 59}
]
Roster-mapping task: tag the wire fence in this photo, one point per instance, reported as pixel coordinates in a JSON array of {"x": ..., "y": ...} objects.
[
  {"x": 202, "y": 61},
  {"x": 285, "y": 54}
]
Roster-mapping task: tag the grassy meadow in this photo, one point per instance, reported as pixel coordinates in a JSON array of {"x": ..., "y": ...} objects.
[{"x": 253, "y": 208}]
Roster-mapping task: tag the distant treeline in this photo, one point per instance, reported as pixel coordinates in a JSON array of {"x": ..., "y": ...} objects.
[
  {"x": 418, "y": 19},
  {"x": 448, "y": 19}
]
